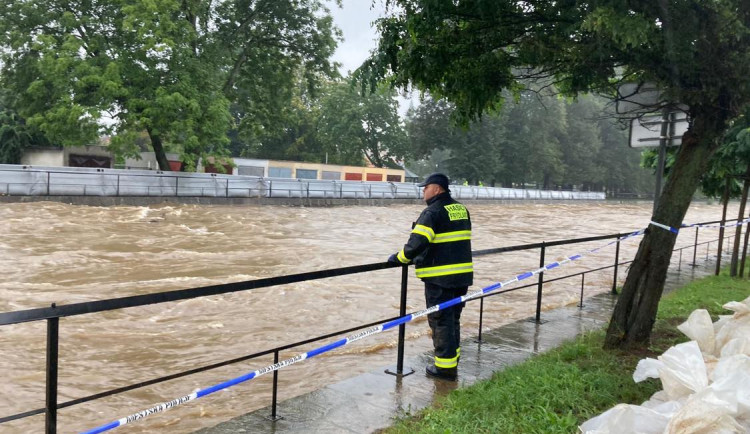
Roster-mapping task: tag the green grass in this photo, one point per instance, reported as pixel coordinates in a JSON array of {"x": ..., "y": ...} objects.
[{"x": 557, "y": 391}]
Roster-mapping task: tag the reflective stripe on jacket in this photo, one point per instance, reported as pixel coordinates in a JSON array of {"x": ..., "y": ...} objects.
[{"x": 440, "y": 243}]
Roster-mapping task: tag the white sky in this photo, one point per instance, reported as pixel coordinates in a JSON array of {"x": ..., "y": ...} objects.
[
  {"x": 355, "y": 20},
  {"x": 360, "y": 37}
]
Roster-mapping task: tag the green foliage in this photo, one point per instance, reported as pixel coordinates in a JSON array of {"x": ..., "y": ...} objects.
[
  {"x": 557, "y": 391},
  {"x": 709, "y": 293},
  {"x": 475, "y": 52},
  {"x": 730, "y": 161},
  {"x": 474, "y": 152},
  {"x": 336, "y": 124},
  {"x": 471, "y": 52},
  {"x": 352, "y": 125},
  {"x": 542, "y": 140},
  {"x": 170, "y": 68},
  {"x": 15, "y": 136}
]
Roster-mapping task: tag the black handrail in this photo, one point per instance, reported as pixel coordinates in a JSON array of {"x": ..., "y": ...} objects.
[
  {"x": 180, "y": 294},
  {"x": 53, "y": 313}
]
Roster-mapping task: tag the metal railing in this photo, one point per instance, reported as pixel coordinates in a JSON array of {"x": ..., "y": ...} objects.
[{"x": 53, "y": 314}]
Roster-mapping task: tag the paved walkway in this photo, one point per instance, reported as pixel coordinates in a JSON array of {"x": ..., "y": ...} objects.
[{"x": 371, "y": 401}]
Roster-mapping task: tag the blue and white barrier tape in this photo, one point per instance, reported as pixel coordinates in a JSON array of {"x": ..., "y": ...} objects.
[
  {"x": 357, "y": 336},
  {"x": 730, "y": 225},
  {"x": 675, "y": 230},
  {"x": 665, "y": 227}
]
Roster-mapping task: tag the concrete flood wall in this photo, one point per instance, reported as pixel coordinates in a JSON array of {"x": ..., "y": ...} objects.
[{"x": 23, "y": 181}]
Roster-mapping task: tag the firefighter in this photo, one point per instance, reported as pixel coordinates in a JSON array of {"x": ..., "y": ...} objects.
[{"x": 440, "y": 248}]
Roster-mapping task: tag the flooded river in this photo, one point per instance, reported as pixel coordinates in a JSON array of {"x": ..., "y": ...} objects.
[{"x": 58, "y": 253}]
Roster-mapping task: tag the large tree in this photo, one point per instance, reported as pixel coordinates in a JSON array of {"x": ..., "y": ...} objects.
[
  {"x": 80, "y": 68},
  {"x": 353, "y": 127},
  {"x": 15, "y": 136},
  {"x": 474, "y": 151},
  {"x": 696, "y": 51}
]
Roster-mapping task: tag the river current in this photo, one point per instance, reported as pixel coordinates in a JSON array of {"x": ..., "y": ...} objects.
[{"x": 58, "y": 253}]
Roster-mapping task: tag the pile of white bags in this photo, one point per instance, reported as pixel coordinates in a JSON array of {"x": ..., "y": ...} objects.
[{"x": 706, "y": 382}]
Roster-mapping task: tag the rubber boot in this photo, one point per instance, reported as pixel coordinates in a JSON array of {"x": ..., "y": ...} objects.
[{"x": 443, "y": 373}]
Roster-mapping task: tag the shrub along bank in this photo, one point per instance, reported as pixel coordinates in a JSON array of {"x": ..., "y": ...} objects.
[{"x": 557, "y": 391}]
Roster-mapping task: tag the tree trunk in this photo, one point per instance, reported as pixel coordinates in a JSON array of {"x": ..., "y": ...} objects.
[
  {"x": 161, "y": 156},
  {"x": 738, "y": 230},
  {"x": 635, "y": 312},
  {"x": 725, "y": 201}
]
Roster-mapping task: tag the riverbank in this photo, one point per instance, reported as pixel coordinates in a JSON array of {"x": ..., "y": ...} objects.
[{"x": 557, "y": 391}]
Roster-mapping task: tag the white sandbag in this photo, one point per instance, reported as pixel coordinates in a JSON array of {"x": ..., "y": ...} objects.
[
  {"x": 668, "y": 409},
  {"x": 698, "y": 416},
  {"x": 647, "y": 368},
  {"x": 736, "y": 328},
  {"x": 736, "y": 346},
  {"x": 658, "y": 398},
  {"x": 710, "y": 361},
  {"x": 700, "y": 328},
  {"x": 745, "y": 423},
  {"x": 738, "y": 307},
  {"x": 731, "y": 383},
  {"x": 626, "y": 418},
  {"x": 723, "y": 319},
  {"x": 684, "y": 371}
]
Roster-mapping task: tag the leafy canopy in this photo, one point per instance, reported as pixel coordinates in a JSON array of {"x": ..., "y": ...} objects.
[
  {"x": 78, "y": 69},
  {"x": 697, "y": 51}
]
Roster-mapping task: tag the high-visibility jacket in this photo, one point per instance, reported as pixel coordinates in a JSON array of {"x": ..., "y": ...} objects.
[{"x": 440, "y": 244}]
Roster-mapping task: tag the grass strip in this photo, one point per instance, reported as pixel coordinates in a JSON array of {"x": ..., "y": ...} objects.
[{"x": 556, "y": 391}]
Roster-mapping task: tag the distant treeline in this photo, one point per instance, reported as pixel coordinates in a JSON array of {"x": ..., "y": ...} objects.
[{"x": 546, "y": 141}]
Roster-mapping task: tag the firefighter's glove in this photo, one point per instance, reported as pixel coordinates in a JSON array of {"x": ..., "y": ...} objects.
[{"x": 393, "y": 259}]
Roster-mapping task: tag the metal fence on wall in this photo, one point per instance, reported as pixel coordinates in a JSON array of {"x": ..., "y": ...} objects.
[{"x": 16, "y": 180}]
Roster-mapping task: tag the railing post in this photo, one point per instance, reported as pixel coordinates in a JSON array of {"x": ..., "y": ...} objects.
[
  {"x": 117, "y": 193},
  {"x": 274, "y": 416},
  {"x": 227, "y": 194},
  {"x": 679, "y": 264},
  {"x": 708, "y": 248},
  {"x": 617, "y": 260},
  {"x": 695, "y": 247},
  {"x": 402, "y": 327},
  {"x": 481, "y": 312},
  {"x": 50, "y": 420},
  {"x": 539, "y": 286},
  {"x": 583, "y": 278},
  {"x": 47, "y": 183},
  {"x": 176, "y": 186}
]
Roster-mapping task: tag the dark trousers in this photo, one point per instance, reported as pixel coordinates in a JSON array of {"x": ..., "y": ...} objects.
[{"x": 445, "y": 323}]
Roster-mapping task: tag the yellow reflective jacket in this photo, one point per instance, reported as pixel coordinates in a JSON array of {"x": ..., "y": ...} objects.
[{"x": 440, "y": 244}]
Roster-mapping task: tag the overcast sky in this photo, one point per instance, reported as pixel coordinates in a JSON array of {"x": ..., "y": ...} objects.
[
  {"x": 360, "y": 37},
  {"x": 355, "y": 21}
]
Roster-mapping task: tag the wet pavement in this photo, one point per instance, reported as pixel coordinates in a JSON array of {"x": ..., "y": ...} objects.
[{"x": 372, "y": 401}]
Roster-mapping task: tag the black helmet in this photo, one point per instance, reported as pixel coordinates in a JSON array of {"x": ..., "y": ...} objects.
[{"x": 437, "y": 178}]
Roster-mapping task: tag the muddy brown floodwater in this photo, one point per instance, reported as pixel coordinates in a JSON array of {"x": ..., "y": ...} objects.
[{"x": 52, "y": 252}]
